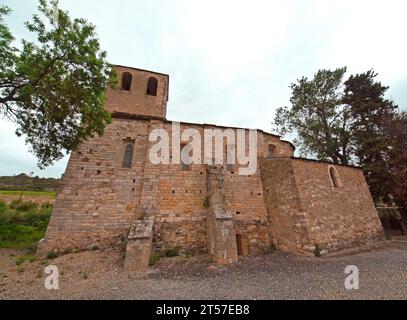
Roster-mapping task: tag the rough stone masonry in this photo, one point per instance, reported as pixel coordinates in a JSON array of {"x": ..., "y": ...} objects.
[{"x": 111, "y": 194}]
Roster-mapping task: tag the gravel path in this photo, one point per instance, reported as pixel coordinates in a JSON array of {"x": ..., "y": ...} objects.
[{"x": 99, "y": 275}]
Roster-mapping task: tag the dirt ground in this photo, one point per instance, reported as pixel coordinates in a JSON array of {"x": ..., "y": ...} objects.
[
  {"x": 28, "y": 198},
  {"x": 99, "y": 275}
]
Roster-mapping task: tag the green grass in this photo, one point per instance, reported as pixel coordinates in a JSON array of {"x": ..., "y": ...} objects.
[
  {"x": 21, "y": 259},
  {"x": 23, "y": 224},
  {"x": 27, "y": 193},
  {"x": 154, "y": 258}
]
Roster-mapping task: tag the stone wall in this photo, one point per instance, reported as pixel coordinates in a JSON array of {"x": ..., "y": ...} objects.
[
  {"x": 307, "y": 209},
  {"x": 99, "y": 199},
  {"x": 338, "y": 217},
  {"x": 289, "y": 230}
]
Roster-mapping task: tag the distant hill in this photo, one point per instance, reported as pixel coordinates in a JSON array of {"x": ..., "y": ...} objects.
[{"x": 26, "y": 183}]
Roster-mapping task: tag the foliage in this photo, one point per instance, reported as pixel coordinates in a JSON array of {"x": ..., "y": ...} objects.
[
  {"x": 395, "y": 131},
  {"x": 172, "y": 252},
  {"x": 54, "y": 88},
  {"x": 154, "y": 258},
  {"x": 52, "y": 255},
  {"x": 206, "y": 202},
  {"x": 21, "y": 259},
  {"x": 22, "y": 225},
  {"x": 317, "y": 250},
  {"x": 318, "y": 117},
  {"x": 342, "y": 122}
]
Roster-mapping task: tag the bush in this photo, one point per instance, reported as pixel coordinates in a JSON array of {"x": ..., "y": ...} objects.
[
  {"x": 21, "y": 259},
  {"x": 317, "y": 250},
  {"x": 23, "y": 206},
  {"x": 3, "y": 207},
  {"x": 154, "y": 258},
  {"x": 52, "y": 255},
  {"x": 206, "y": 202},
  {"x": 22, "y": 224},
  {"x": 270, "y": 249},
  {"x": 171, "y": 252}
]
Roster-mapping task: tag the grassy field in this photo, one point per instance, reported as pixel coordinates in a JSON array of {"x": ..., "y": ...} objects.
[
  {"x": 23, "y": 224},
  {"x": 27, "y": 193}
]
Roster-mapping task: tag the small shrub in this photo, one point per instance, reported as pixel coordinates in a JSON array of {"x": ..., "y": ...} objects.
[
  {"x": 154, "y": 258},
  {"x": 21, "y": 259},
  {"x": 46, "y": 206},
  {"x": 85, "y": 274},
  {"x": 3, "y": 207},
  {"x": 67, "y": 251},
  {"x": 171, "y": 252},
  {"x": 206, "y": 202},
  {"x": 52, "y": 255},
  {"x": 190, "y": 253},
  {"x": 317, "y": 250},
  {"x": 32, "y": 248},
  {"x": 388, "y": 237},
  {"x": 23, "y": 206},
  {"x": 270, "y": 249},
  {"x": 20, "y": 269}
]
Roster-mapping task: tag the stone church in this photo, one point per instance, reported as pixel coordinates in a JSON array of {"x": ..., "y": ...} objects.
[{"x": 111, "y": 194}]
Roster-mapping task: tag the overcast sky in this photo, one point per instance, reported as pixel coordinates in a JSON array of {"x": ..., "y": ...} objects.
[{"x": 231, "y": 62}]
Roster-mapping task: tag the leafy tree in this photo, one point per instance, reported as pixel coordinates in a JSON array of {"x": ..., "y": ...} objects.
[
  {"x": 395, "y": 131},
  {"x": 54, "y": 88},
  {"x": 342, "y": 122},
  {"x": 318, "y": 117},
  {"x": 368, "y": 108}
]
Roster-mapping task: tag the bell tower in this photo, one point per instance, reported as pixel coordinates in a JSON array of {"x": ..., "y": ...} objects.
[{"x": 139, "y": 92}]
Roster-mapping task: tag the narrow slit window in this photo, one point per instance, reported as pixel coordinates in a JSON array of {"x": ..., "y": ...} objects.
[
  {"x": 335, "y": 177},
  {"x": 128, "y": 156}
]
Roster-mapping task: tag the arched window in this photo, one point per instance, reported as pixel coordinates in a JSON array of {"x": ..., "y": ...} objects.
[
  {"x": 128, "y": 156},
  {"x": 336, "y": 181},
  {"x": 272, "y": 151},
  {"x": 152, "y": 85},
  {"x": 126, "y": 81}
]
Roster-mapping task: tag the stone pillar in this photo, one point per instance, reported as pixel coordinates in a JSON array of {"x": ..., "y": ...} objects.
[
  {"x": 139, "y": 243},
  {"x": 220, "y": 225}
]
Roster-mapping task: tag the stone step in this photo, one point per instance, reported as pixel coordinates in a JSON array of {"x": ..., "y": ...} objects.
[{"x": 139, "y": 245}]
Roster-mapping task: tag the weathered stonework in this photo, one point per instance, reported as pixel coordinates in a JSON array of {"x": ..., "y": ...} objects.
[
  {"x": 139, "y": 243},
  {"x": 220, "y": 225},
  {"x": 287, "y": 203}
]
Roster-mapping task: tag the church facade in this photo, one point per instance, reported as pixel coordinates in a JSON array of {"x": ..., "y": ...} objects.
[{"x": 112, "y": 194}]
